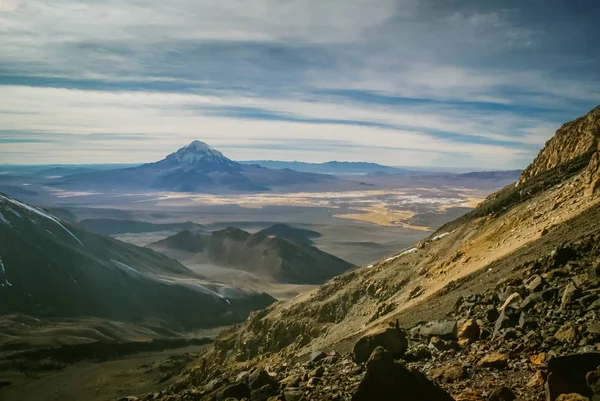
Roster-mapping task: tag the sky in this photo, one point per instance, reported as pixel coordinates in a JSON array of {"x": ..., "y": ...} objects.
[{"x": 450, "y": 83}]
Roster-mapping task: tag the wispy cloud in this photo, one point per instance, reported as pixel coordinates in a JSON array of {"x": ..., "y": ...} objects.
[{"x": 417, "y": 82}]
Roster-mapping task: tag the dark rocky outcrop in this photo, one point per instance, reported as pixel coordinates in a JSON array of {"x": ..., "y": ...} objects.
[{"x": 388, "y": 380}]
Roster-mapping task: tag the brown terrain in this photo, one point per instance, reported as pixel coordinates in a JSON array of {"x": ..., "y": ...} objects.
[{"x": 500, "y": 304}]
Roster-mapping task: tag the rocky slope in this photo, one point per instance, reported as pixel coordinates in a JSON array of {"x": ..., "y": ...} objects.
[
  {"x": 285, "y": 258},
  {"x": 490, "y": 307},
  {"x": 51, "y": 269}
]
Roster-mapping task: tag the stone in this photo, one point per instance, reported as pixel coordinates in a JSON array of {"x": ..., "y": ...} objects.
[
  {"x": 538, "y": 359},
  {"x": 318, "y": 372},
  {"x": 567, "y": 374},
  {"x": 260, "y": 378},
  {"x": 513, "y": 300},
  {"x": 294, "y": 395},
  {"x": 502, "y": 394},
  {"x": 449, "y": 374},
  {"x": 495, "y": 361},
  {"x": 316, "y": 356},
  {"x": 532, "y": 300},
  {"x": 569, "y": 295},
  {"x": 444, "y": 330},
  {"x": 594, "y": 329},
  {"x": 509, "y": 317},
  {"x": 572, "y": 397},
  {"x": 392, "y": 339},
  {"x": 237, "y": 391},
  {"x": 263, "y": 393},
  {"x": 388, "y": 380},
  {"x": 468, "y": 332},
  {"x": 593, "y": 381},
  {"x": 537, "y": 380},
  {"x": 534, "y": 283},
  {"x": 567, "y": 334}
]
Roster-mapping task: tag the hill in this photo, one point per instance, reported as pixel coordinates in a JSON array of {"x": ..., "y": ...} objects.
[
  {"x": 285, "y": 259},
  {"x": 51, "y": 269},
  {"x": 114, "y": 226},
  {"x": 500, "y": 304}
]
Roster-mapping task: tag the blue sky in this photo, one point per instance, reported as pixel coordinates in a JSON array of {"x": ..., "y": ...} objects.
[{"x": 400, "y": 82}]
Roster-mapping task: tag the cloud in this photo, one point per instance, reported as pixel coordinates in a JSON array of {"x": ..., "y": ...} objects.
[{"x": 483, "y": 83}]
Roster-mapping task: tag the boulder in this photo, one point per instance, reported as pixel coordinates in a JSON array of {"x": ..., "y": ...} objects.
[
  {"x": 534, "y": 284},
  {"x": 495, "y": 361},
  {"x": 567, "y": 334},
  {"x": 260, "y": 378},
  {"x": 468, "y": 332},
  {"x": 444, "y": 330},
  {"x": 388, "y": 380},
  {"x": 567, "y": 374},
  {"x": 392, "y": 339}
]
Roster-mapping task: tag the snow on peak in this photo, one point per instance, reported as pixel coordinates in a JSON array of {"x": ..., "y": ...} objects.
[{"x": 198, "y": 151}]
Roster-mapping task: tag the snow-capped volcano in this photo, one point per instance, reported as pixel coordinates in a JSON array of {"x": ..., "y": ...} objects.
[
  {"x": 198, "y": 167},
  {"x": 200, "y": 156}
]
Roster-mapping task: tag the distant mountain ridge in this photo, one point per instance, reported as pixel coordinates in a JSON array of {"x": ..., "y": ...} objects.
[
  {"x": 198, "y": 167},
  {"x": 331, "y": 167},
  {"x": 286, "y": 258}
]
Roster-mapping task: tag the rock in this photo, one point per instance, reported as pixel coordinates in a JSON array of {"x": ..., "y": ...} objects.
[
  {"x": 509, "y": 317},
  {"x": 129, "y": 398},
  {"x": 567, "y": 374},
  {"x": 502, "y": 394},
  {"x": 444, "y": 330},
  {"x": 294, "y": 395},
  {"x": 569, "y": 295},
  {"x": 418, "y": 353},
  {"x": 318, "y": 372},
  {"x": 237, "y": 391},
  {"x": 531, "y": 300},
  {"x": 567, "y": 334},
  {"x": 260, "y": 378},
  {"x": 572, "y": 397},
  {"x": 392, "y": 339},
  {"x": 537, "y": 380},
  {"x": 513, "y": 300},
  {"x": 593, "y": 381},
  {"x": 495, "y": 361},
  {"x": 387, "y": 380},
  {"x": 538, "y": 359},
  {"x": 243, "y": 377},
  {"x": 316, "y": 356},
  {"x": 443, "y": 345},
  {"x": 468, "y": 332},
  {"x": 263, "y": 393},
  {"x": 449, "y": 374},
  {"x": 534, "y": 284},
  {"x": 594, "y": 329}
]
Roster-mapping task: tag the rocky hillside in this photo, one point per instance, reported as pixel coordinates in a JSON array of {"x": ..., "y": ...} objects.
[
  {"x": 501, "y": 304},
  {"x": 574, "y": 140},
  {"x": 52, "y": 269},
  {"x": 285, "y": 258}
]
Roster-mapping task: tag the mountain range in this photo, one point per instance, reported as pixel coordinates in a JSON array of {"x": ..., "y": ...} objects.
[
  {"x": 199, "y": 168},
  {"x": 50, "y": 268},
  {"x": 280, "y": 253}
]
